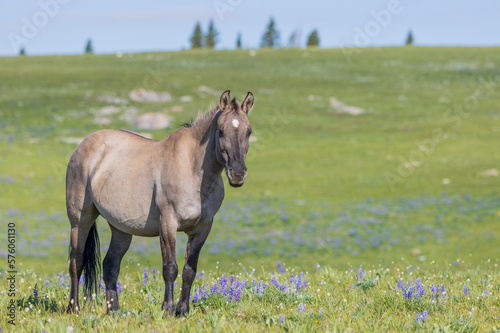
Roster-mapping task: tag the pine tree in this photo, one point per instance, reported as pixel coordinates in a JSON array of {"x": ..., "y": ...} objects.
[
  {"x": 211, "y": 37},
  {"x": 271, "y": 36},
  {"x": 409, "y": 39},
  {"x": 313, "y": 39},
  {"x": 197, "y": 37},
  {"x": 88, "y": 47},
  {"x": 22, "y": 52},
  {"x": 238, "y": 41}
]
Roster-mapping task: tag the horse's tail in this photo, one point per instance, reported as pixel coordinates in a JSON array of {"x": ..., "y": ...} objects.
[{"x": 92, "y": 263}]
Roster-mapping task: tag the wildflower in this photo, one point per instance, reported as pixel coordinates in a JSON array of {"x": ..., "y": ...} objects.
[
  {"x": 46, "y": 283},
  {"x": 35, "y": 291},
  {"x": 119, "y": 287},
  {"x": 82, "y": 279},
  {"x": 320, "y": 313},
  {"x": 420, "y": 289},
  {"x": 146, "y": 277},
  {"x": 259, "y": 288},
  {"x": 281, "y": 269},
  {"x": 213, "y": 288},
  {"x": 360, "y": 274},
  {"x": 466, "y": 291},
  {"x": 486, "y": 292},
  {"x": 223, "y": 284},
  {"x": 154, "y": 273},
  {"x": 400, "y": 285},
  {"x": 302, "y": 307},
  {"x": 282, "y": 319},
  {"x": 239, "y": 291},
  {"x": 422, "y": 317}
]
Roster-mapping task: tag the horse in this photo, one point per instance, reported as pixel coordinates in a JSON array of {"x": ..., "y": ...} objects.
[{"x": 152, "y": 188}]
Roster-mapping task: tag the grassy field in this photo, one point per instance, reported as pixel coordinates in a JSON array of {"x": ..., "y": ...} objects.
[{"x": 406, "y": 179}]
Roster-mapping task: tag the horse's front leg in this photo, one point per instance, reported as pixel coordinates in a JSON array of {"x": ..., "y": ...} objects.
[
  {"x": 168, "y": 229},
  {"x": 194, "y": 245}
]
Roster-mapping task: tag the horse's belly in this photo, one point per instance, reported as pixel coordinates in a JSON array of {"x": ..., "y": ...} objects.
[{"x": 139, "y": 225}]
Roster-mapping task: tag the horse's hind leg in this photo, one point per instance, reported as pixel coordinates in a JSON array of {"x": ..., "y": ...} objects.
[
  {"x": 82, "y": 215},
  {"x": 120, "y": 242}
]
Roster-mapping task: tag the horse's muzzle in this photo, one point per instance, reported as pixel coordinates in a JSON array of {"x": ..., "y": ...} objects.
[{"x": 236, "y": 179}]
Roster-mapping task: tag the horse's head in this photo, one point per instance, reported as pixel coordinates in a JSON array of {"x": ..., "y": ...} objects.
[{"x": 232, "y": 137}]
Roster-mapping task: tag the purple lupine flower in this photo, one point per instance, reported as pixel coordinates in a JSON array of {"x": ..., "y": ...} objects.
[
  {"x": 154, "y": 273},
  {"x": 231, "y": 293},
  {"x": 82, "y": 279},
  {"x": 46, "y": 283},
  {"x": 305, "y": 284},
  {"x": 282, "y": 319},
  {"x": 275, "y": 282},
  {"x": 292, "y": 279},
  {"x": 422, "y": 317},
  {"x": 420, "y": 289},
  {"x": 281, "y": 269},
  {"x": 352, "y": 286},
  {"x": 223, "y": 284},
  {"x": 119, "y": 287},
  {"x": 320, "y": 313},
  {"x": 237, "y": 294},
  {"x": 195, "y": 298},
  {"x": 100, "y": 284},
  {"x": 146, "y": 277},
  {"x": 311, "y": 311},
  {"x": 60, "y": 275},
  {"x": 265, "y": 286},
  {"x": 35, "y": 291},
  {"x": 302, "y": 307},
  {"x": 486, "y": 292},
  {"x": 400, "y": 285},
  {"x": 253, "y": 282},
  {"x": 259, "y": 288},
  {"x": 360, "y": 274},
  {"x": 466, "y": 290},
  {"x": 213, "y": 288}
]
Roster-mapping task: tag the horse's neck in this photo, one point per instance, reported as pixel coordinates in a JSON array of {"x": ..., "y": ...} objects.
[{"x": 210, "y": 167}]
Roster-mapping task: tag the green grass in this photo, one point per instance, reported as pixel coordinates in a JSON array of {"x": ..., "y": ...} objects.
[
  {"x": 322, "y": 187},
  {"x": 335, "y": 300}
]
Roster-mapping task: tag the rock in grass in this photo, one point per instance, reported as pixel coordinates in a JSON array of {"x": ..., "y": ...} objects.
[
  {"x": 152, "y": 121},
  {"x": 489, "y": 173},
  {"x": 344, "y": 108},
  {"x": 143, "y": 96}
]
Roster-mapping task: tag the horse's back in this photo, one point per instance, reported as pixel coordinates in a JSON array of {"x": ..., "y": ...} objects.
[{"x": 115, "y": 170}]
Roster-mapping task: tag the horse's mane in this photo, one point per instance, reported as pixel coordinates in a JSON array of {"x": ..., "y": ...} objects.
[{"x": 208, "y": 115}]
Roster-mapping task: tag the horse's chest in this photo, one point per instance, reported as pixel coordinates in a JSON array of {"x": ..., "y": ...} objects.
[{"x": 196, "y": 214}]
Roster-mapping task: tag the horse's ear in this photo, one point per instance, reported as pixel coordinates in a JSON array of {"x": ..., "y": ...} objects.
[
  {"x": 224, "y": 100},
  {"x": 247, "y": 104}
]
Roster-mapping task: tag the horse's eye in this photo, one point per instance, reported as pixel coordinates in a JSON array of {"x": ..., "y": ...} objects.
[
  {"x": 221, "y": 133},
  {"x": 249, "y": 132}
]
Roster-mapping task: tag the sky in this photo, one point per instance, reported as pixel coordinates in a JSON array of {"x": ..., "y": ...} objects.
[{"x": 47, "y": 27}]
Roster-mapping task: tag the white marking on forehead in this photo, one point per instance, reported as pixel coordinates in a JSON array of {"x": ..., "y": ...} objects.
[{"x": 236, "y": 123}]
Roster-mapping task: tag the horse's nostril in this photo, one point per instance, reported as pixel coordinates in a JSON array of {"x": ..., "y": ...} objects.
[
  {"x": 245, "y": 169},
  {"x": 230, "y": 169}
]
